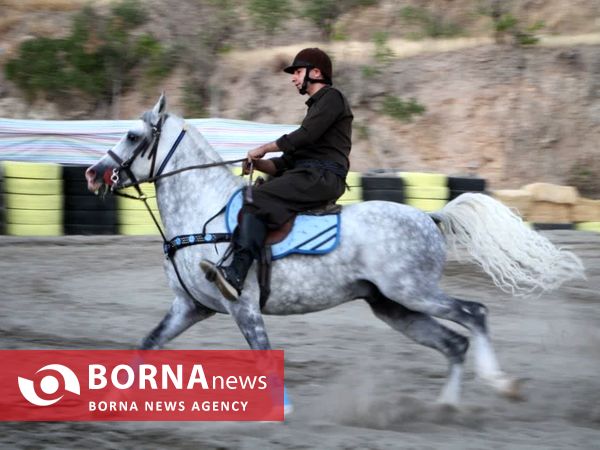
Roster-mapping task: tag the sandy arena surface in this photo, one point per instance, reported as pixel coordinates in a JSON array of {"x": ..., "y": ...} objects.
[{"x": 355, "y": 383}]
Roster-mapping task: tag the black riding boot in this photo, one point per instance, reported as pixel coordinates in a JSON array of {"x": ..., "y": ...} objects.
[{"x": 247, "y": 243}]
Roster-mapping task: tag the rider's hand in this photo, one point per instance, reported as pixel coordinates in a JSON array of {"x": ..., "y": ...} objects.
[
  {"x": 246, "y": 166},
  {"x": 255, "y": 157},
  {"x": 258, "y": 152}
]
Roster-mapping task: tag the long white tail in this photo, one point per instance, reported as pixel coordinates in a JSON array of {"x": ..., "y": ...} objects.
[{"x": 519, "y": 260}]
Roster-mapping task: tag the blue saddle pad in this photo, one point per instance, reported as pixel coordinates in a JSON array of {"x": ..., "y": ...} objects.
[{"x": 310, "y": 235}]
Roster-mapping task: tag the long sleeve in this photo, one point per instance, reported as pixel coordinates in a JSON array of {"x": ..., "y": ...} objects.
[{"x": 320, "y": 117}]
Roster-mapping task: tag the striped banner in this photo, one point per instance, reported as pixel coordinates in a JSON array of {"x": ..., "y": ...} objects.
[{"x": 85, "y": 141}]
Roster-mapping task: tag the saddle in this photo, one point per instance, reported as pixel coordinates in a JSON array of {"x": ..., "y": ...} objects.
[
  {"x": 313, "y": 232},
  {"x": 278, "y": 235}
]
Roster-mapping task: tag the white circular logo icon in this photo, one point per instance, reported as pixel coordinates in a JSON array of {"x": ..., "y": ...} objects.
[{"x": 49, "y": 385}]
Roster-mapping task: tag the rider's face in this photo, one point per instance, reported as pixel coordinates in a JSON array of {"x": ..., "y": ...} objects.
[{"x": 298, "y": 77}]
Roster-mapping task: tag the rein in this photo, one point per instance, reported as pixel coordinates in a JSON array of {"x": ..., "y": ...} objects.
[
  {"x": 169, "y": 246},
  {"x": 178, "y": 171}
]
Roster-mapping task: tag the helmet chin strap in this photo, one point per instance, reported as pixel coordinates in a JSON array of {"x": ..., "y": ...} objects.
[{"x": 308, "y": 79}]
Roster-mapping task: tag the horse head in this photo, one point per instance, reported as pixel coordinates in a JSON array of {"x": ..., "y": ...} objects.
[{"x": 135, "y": 156}]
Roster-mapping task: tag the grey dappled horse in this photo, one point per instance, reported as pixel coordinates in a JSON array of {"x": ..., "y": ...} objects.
[{"x": 391, "y": 255}]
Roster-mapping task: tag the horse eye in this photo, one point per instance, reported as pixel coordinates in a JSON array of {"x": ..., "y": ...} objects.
[{"x": 132, "y": 137}]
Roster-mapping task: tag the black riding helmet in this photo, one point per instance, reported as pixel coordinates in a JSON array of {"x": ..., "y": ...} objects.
[{"x": 311, "y": 58}]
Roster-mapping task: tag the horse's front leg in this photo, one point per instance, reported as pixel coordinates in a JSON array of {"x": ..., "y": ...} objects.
[
  {"x": 249, "y": 319},
  {"x": 182, "y": 314}
]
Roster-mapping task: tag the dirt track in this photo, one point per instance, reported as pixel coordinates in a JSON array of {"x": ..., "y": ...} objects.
[{"x": 355, "y": 382}]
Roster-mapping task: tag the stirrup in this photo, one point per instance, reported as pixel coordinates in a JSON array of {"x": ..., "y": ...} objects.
[{"x": 215, "y": 274}]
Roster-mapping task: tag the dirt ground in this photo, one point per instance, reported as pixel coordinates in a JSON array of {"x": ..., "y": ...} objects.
[{"x": 356, "y": 383}]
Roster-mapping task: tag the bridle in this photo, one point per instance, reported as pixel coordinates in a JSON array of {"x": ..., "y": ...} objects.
[{"x": 140, "y": 150}]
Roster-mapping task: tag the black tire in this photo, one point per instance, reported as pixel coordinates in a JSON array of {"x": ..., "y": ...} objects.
[
  {"x": 100, "y": 218},
  {"x": 389, "y": 195},
  {"x": 74, "y": 173},
  {"x": 466, "y": 184},
  {"x": 90, "y": 202},
  {"x": 375, "y": 183},
  {"x": 553, "y": 226},
  {"x": 75, "y": 187},
  {"x": 90, "y": 229},
  {"x": 454, "y": 194}
]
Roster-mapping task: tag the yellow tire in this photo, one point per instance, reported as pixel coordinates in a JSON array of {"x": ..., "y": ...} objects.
[
  {"x": 347, "y": 202},
  {"x": 588, "y": 226},
  {"x": 33, "y": 186},
  {"x": 19, "y": 229},
  {"x": 424, "y": 179},
  {"x": 354, "y": 179},
  {"x": 125, "y": 204},
  {"x": 27, "y": 201},
  {"x": 34, "y": 216},
  {"x": 237, "y": 171},
  {"x": 433, "y": 192},
  {"x": 352, "y": 194},
  {"x": 138, "y": 230},
  {"x": 16, "y": 169},
  {"x": 426, "y": 204},
  {"x": 135, "y": 217},
  {"x": 148, "y": 189}
]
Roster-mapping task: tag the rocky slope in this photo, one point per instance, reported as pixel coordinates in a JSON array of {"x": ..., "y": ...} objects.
[{"x": 507, "y": 113}]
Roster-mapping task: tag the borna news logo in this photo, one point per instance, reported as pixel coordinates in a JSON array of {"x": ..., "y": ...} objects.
[
  {"x": 116, "y": 385},
  {"x": 49, "y": 385}
]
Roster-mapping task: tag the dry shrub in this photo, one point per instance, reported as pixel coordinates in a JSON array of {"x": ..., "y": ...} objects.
[
  {"x": 584, "y": 174},
  {"x": 44, "y": 5},
  {"x": 9, "y": 21}
]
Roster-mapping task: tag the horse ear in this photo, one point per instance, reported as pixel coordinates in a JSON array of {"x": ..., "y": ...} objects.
[{"x": 159, "y": 108}]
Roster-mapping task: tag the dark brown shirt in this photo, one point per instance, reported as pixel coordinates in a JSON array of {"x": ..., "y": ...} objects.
[{"x": 325, "y": 133}]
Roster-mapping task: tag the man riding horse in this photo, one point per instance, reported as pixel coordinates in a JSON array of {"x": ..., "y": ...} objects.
[{"x": 311, "y": 171}]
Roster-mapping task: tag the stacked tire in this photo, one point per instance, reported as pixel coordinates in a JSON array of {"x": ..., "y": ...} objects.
[
  {"x": 353, "y": 193},
  {"x": 588, "y": 226},
  {"x": 586, "y": 214},
  {"x": 132, "y": 216},
  {"x": 382, "y": 185},
  {"x": 33, "y": 194},
  {"x": 2, "y": 212},
  {"x": 461, "y": 185},
  {"x": 84, "y": 212},
  {"x": 426, "y": 191}
]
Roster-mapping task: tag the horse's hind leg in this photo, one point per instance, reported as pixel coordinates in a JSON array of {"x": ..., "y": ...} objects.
[
  {"x": 182, "y": 314},
  {"x": 426, "y": 331},
  {"x": 473, "y": 316}
]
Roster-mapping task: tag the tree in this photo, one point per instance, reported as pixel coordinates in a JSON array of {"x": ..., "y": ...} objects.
[
  {"x": 269, "y": 14},
  {"x": 98, "y": 59},
  {"x": 324, "y": 13}
]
